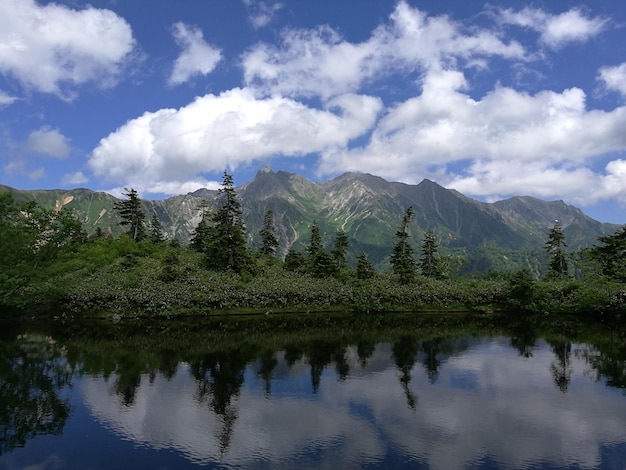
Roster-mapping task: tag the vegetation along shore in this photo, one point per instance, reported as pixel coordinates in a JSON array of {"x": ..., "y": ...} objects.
[{"x": 50, "y": 264}]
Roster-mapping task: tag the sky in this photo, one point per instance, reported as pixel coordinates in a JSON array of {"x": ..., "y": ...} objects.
[{"x": 491, "y": 99}]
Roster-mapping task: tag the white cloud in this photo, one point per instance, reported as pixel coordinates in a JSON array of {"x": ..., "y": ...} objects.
[
  {"x": 496, "y": 179},
  {"x": 197, "y": 57},
  {"x": 320, "y": 62},
  {"x": 556, "y": 30},
  {"x": 262, "y": 13},
  {"x": 171, "y": 147},
  {"x": 48, "y": 141},
  {"x": 484, "y": 398},
  {"x": 50, "y": 48},
  {"x": 613, "y": 182},
  {"x": 74, "y": 179},
  {"x": 507, "y": 142},
  {"x": 19, "y": 168},
  {"x": 614, "y": 78},
  {"x": 6, "y": 99}
]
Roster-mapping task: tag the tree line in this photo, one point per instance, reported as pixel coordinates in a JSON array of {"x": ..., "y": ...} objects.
[{"x": 32, "y": 239}]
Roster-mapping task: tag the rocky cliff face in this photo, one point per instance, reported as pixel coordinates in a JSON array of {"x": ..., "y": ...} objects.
[{"x": 368, "y": 208}]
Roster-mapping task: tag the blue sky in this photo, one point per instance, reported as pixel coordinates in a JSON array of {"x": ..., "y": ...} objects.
[{"x": 491, "y": 99}]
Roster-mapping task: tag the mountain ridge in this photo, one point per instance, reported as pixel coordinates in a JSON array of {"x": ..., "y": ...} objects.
[{"x": 367, "y": 207}]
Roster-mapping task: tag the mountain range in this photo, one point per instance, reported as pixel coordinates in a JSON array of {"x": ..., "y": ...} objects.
[{"x": 368, "y": 208}]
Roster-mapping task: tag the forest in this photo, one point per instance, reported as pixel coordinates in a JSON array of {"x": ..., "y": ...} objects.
[{"x": 50, "y": 265}]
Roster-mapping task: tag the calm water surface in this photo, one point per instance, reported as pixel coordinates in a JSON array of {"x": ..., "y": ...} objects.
[{"x": 332, "y": 396}]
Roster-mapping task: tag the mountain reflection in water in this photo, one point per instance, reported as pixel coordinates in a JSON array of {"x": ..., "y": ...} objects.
[{"x": 415, "y": 399}]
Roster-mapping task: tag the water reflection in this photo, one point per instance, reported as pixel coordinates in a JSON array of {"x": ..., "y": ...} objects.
[
  {"x": 33, "y": 372},
  {"x": 561, "y": 367},
  {"x": 522, "y": 399}
]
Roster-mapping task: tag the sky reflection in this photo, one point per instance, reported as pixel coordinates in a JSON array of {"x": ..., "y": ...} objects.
[{"x": 482, "y": 405}]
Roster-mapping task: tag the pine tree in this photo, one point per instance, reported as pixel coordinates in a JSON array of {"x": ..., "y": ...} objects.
[
  {"x": 132, "y": 215},
  {"x": 429, "y": 264},
  {"x": 364, "y": 267},
  {"x": 340, "y": 249},
  {"x": 227, "y": 248},
  {"x": 200, "y": 236},
  {"x": 156, "y": 233},
  {"x": 401, "y": 258},
  {"x": 269, "y": 242},
  {"x": 315, "y": 243},
  {"x": 319, "y": 261},
  {"x": 555, "y": 246},
  {"x": 611, "y": 254},
  {"x": 294, "y": 260}
]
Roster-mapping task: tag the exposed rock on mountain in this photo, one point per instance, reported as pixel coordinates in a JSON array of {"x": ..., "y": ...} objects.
[{"x": 368, "y": 208}]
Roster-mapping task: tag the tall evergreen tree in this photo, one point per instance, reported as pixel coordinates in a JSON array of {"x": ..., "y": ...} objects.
[
  {"x": 199, "y": 239},
  {"x": 294, "y": 260},
  {"x": 227, "y": 248},
  {"x": 401, "y": 258},
  {"x": 611, "y": 254},
  {"x": 340, "y": 249},
  {"x": 364, "y": 267},
  {"x": 555, "y": 246},
  {"x": 132, "y": 215},
  {"x": 156, "y": 232},
  {"x": 429, "y": 263},
  {"x": 269, "y": 242},
  {"x": 316, "y": 245},
  {"x": 319, "y": 261}
]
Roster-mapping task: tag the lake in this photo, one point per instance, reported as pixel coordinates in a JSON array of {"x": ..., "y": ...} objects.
[{"x": 323, "y": 391}]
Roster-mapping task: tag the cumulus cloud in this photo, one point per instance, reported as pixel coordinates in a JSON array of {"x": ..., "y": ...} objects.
[
  {"x": 74, "y": 179},
  {"x": 507, "y": 142},
  {"x": 196, "y": 58},
  {"x": 555, "y": 31},
  {"x": 48, "y": 141},
  {"x": 320, "y": 62},
  {"x": 613, "y": 182},
  {"x": 167, "y": 148},
  {"x": 262, "y": 13},
  {"x": 488, "y": 143},
  {"x": 52, "y": 48},
  {"x": 614, "y": 78}
]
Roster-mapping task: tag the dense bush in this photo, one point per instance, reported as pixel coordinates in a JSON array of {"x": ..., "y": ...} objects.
[{"x": 124, "y": 277}]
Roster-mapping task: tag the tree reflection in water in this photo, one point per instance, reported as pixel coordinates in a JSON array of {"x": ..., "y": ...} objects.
[
  {"x": 561, "y": 367},
  {"x": 32, "y": 374},
  {"x": 404, "y": 355},
  {"x": 35, "y": 370},
  {"x": 523, "y": 338},
  {"x": 219, "y": 377},
  {"x": 268, "y": 363}
]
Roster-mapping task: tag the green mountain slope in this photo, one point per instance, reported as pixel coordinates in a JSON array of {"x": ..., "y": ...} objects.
[{"x": 368, "y": 208}]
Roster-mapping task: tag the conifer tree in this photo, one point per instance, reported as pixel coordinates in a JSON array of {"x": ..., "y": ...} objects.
[
  {"x": 429, "y": 263},
  {"x": 199, "y": 239},
  {"x": 294, "y": 260},
  {"x": 227, "y": 248},
  {"x": 340, "y": 249},
  {"x": 555, "y": 246},
  {"x": 132, "y": 215},
  {"x": 269, "y": 242},
  {"x": 315, "y": 242},
  {"x": 364, "y": 267},
  {"x": 611, "y": 254},
  {"x": 319, "y": 261},
  {"x": 401, "y": 258},
  {"x": 156, "y": 233}
]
